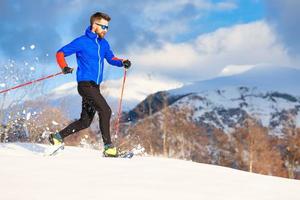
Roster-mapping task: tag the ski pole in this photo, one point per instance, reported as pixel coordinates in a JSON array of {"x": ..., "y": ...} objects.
[
  {"x": 120, "y": 104},
  {"x": 30, "y": 82}
]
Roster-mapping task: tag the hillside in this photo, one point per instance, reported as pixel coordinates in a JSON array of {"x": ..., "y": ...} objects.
[{"x": 82, "y": 174}]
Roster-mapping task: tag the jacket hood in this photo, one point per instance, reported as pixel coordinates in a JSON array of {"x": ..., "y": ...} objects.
[{"x": 89, "y": 33}]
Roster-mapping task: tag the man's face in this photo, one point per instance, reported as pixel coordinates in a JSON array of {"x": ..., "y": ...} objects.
[{"x": 101, "y": 27}]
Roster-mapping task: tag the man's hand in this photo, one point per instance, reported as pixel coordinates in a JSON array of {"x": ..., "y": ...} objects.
[
  {"x": 67, "y": 70},
  {"x": 126, "y": 64}
]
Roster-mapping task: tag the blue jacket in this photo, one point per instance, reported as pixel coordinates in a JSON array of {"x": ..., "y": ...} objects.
[{"x": 90, "y": 53}]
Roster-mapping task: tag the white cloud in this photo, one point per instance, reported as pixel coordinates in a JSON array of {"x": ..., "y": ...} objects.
[
  {"x": 235, "y": 69},
  {"x": 64, "y": 90},
  {"x": 138, "y": 86},
  {"x": 210, "y": 54},
  {"x": 166, "y": 18},
  {"x": 170, "y": 56}
]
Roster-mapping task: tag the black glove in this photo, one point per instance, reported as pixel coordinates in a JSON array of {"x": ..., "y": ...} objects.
[
  {"x": 126, "y": 64},
  {"x": 67, "y": 70}
]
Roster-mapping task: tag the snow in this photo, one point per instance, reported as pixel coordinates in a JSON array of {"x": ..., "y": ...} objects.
[
  {"x": 258, "y": 105},
  {"x": 54, "y": 123},
  {"x": 298, "y": 121},
  {"x": 287, "y": 81},
  {"x": 28, "y": 116},
  {"x": 82, "y": 174}
]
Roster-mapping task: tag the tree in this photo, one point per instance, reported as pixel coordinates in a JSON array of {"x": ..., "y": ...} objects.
[
  {"x": 166, "y": 119},
  {"x": 291, "y": 151},
  {"x": 185, "y": 140},
  {"x": 255, "y": 151},
  {"x": 145, "y": 133},
  {"x": 224, "y": 150},
  {"x": 48, "y": 120}
]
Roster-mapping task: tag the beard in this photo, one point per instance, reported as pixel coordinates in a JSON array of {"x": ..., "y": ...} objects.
[{"x": 101, "y": 34}]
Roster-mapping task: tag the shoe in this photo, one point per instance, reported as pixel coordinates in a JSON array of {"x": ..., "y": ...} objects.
[
  {"x": 110, "y": 151},
  {"x": 55, "y": 139}
]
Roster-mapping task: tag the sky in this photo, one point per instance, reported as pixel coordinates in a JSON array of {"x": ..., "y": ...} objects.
[{"x": 170, "y": 42}]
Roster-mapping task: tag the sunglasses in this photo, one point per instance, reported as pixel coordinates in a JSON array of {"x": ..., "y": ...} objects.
[{"x": 104, "y": 27}]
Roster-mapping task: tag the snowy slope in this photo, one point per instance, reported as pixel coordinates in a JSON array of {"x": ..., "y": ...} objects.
[{"x": 82, "y": 174}]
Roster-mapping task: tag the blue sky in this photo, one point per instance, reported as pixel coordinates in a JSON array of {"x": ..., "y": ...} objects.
[{"x": 170, "y": 42}]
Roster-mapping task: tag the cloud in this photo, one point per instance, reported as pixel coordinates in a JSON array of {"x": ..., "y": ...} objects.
[
  {"x": 169, "y": 19},
  {"x": 50, "y": 24},
  {"x": 284, "y": 16},
  {"x": 210, "y": 54},
  {"x": 147, "y": 22},
  {"x": 69, "y": 88},
  {"x": 138, "y": 86},
  {"x": 169, "y": 56},
  {"x": 235, "y": 69}
]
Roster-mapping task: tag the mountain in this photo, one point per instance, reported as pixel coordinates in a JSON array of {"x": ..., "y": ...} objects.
[
  {"x": 268, "y": 94},
  {"x": 78, "y": 174},
  {"x": 265, "y": 78},
  {"x": 228, "y": 108}
]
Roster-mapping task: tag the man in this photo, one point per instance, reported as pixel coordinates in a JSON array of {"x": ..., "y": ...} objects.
[{"x": 91, "y": 49}]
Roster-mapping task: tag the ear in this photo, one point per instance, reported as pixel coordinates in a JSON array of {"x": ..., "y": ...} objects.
[{"x": 93, "y": 27}]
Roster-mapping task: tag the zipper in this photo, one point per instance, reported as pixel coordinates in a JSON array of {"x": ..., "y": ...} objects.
[{"x": 99, "y": 60}]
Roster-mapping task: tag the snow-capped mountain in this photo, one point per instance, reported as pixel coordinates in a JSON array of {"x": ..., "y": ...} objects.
[
  {"x": 265, "y": 78},
  {"x": 268, "y": 94},
  {"x": 226, "y": 109}
]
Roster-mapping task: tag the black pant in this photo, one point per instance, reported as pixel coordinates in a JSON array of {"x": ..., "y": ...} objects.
[{"x": 92, "y": 101}]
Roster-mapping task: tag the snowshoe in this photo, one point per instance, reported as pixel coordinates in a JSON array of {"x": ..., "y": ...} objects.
[
  {"x": 110, "y": 151},
  {"x": 55, "y": 139}
]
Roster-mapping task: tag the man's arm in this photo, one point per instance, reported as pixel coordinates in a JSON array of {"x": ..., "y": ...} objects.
[
  {"x": 65, "y": 51},
  {"x": 112, "y": 59},
  {"x": 60, "y": 58}
]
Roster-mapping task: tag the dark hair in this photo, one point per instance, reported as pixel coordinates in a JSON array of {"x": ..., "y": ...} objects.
[{"x": 99, "y": 15}]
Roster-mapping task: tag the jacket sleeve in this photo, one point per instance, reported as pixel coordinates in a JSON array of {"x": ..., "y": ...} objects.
[
  {"x": 60, "y": 58},
  {"x": 67, "y": 50},
  {"x": 111, "y": 59}
]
